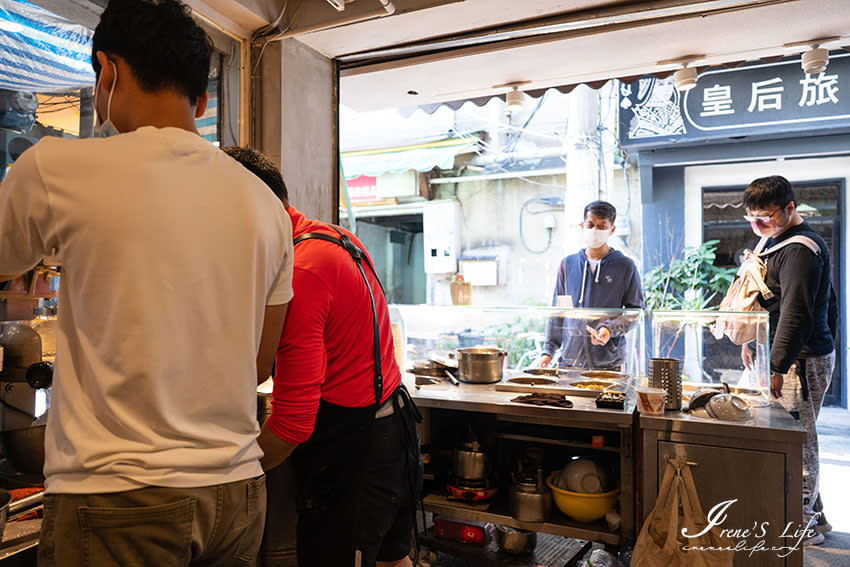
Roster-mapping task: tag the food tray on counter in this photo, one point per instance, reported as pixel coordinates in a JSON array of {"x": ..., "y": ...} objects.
[{"x": 574, "y": 386}]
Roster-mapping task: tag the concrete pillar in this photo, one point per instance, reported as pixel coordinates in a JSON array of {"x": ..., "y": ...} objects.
[
  {"x": 295, "y": 121},
  {"x": 582, "y": 149}
]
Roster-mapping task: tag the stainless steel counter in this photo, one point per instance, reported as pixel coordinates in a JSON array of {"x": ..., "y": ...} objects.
[
  {"x": 485, "y": 399},
  {"x": 770, "y": 423}
]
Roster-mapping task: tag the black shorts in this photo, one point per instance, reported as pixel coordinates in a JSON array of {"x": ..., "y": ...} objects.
[{"x": 388, "y": 499}]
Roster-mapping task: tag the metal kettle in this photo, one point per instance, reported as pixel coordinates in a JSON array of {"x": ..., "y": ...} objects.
[{"x": 530, "y": 499}]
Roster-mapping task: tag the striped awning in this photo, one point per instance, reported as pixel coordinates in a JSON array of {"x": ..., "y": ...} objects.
[{"x": 41, "y": 52}]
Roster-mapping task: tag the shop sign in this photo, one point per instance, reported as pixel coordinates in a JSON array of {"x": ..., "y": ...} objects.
[
  {"x": 362, "y": 188},
  {"x": 758, "y": 99}
]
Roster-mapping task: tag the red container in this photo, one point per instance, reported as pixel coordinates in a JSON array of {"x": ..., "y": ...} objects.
[{"x": 458, "y": 531}]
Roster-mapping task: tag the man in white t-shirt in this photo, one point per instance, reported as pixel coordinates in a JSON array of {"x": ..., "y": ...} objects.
[{"x": 176, "y": 272}]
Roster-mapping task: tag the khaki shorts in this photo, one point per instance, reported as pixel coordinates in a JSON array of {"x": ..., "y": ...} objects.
[{"x": 213, "y": 526}]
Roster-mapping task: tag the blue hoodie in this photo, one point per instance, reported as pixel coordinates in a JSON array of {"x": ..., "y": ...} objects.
[{"x": 615, "y": 284}]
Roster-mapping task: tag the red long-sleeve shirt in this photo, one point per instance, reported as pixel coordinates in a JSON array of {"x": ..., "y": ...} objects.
[{"x": 326, "y": 351}]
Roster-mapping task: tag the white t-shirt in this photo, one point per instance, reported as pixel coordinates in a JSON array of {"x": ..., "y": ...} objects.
[{"x": 170, "y": 252}]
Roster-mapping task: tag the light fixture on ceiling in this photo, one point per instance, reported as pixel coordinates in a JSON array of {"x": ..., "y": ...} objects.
[
  {"x": 514, "y": 98},
  {"x": 816, "y": 59},
  {"x": 686, "y": 77}
]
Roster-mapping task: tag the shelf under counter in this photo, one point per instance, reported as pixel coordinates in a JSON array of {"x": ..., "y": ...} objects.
[{"x": 559, "y": 525}]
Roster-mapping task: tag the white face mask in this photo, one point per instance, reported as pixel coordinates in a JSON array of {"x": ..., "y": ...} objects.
[
  {"x": 106, "y": 128},
  {"x": 595, "y": 237}
]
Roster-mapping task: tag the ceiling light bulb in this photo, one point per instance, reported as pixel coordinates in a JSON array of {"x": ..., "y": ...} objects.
[
  {"x": 515, "y": 100},
  {"x": 815, "y": 60},
  {"x": 685, "y": 78}
]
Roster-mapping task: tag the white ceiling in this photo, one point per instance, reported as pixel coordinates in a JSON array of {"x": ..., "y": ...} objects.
[
  {"x": 450, "y": 18},
  {"x": 586, "y": 56}
]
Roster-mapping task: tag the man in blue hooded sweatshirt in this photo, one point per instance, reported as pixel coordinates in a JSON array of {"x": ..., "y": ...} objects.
[{"x": 596, "y": 277}]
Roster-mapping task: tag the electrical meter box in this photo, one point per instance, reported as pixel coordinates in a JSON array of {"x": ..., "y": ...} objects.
[{"x": 441, "y": 224}]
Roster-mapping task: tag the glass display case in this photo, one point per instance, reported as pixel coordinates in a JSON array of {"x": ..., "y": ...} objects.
[
  {"x": 592, "y": 339},
  {"x": 708, "y": 345}
]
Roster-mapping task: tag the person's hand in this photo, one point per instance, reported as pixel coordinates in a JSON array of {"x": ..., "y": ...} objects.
[
  {"x": 544, "y": 361},
  {"x": 747, "y": 357},
  {"x": 600, "y": 336},
  {"x": 776, "y": 381}
]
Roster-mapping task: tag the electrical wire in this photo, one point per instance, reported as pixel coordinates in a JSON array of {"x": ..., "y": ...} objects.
[
  {"x": 552, "y": 203},
  {"x": 527, "y": 122},
  {"x": 276, "y": 37},
  {"x": 268, "y": 29},
  {"x": 17, "y": 409}
]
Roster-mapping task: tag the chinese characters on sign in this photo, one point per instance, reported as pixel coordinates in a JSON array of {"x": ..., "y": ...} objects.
[
  {"x": 756, "y": 99},
  {"x": 768, "y": 94},
  {"x": 817, "y": 89},
  {"x": 717, "y": 100}
]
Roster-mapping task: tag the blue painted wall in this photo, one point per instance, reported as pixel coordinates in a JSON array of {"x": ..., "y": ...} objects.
[{"x": 664, "y": 217}]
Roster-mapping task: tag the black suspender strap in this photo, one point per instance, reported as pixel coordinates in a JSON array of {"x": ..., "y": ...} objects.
[{"x": 358, "y": 255}]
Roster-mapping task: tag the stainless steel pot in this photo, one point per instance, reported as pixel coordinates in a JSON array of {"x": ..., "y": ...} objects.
[
  {"x": 518, "y": 542},
  {"x": 530, "y": 500},
  {"x": 480, "y": 365},
  {"x": 470, "y": 463}
]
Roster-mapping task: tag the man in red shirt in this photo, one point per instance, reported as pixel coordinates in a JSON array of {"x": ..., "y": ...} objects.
[{"x": 339, "y": 408}]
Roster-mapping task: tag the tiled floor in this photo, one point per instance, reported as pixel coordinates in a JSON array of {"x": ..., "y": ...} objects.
[{"x": 834, "y": 439}]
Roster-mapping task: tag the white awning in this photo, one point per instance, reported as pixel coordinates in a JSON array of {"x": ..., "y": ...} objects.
[{"x": 419, "y": 157}]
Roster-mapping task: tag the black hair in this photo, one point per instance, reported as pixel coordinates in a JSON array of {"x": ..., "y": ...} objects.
[
  {"x": 602, "y": 209},
  {"x": 160, "y": 42},
  {"x": 262, "y": 167},
  {"x": 769, "y": 191}
]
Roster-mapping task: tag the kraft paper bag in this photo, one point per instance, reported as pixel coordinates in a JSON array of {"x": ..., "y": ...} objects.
[{"x": 660, "y": 543}]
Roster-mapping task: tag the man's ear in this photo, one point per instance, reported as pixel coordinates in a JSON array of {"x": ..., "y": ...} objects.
[
  {"x": 107, "y": 72},
  {"x": 202, "y": 104},
  {"x": 613, "y": 228}
]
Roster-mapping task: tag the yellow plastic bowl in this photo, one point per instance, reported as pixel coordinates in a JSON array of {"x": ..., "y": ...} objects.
[{"x": 582, "y": 507}]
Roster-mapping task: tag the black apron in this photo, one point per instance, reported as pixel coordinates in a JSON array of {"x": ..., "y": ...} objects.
[{"x": 330, "y": 465}]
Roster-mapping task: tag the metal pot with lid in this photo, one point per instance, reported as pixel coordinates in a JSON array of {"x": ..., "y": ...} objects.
[
  {"x": 480, "y": 365},
  {"x": 469, "y": 462}
]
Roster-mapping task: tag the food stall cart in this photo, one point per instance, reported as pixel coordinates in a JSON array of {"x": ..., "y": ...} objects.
[{"x": 762, "y": 452}]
